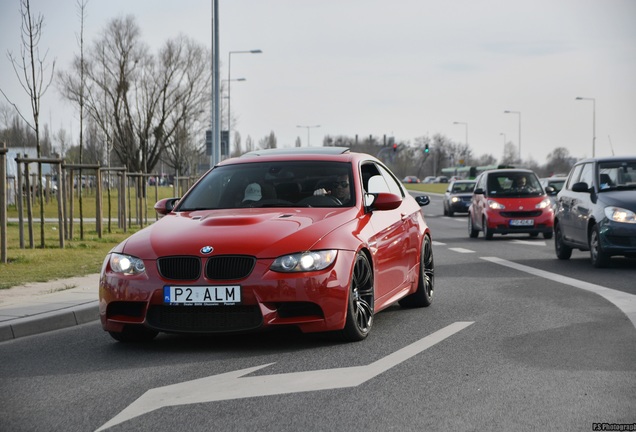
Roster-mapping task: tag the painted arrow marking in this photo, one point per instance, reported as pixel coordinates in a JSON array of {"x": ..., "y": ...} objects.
[{"x": 233, "y": 385}]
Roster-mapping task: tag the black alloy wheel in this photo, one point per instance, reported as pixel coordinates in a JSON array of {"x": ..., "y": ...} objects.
[
  {"x": 361, "y": 301},
  {"x": 423, "y": 297}
]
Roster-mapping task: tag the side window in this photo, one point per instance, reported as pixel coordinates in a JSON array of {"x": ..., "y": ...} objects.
[
  {"x": 574, "y": 176},
  {"x": 587, "y": 174},
  {"x": 393, "y": 185}
]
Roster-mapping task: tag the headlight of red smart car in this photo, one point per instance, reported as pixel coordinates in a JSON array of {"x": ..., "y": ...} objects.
[
  {"x": 126, "y": 264},
  {"x": 304, "y": 261},
  {"x": 495, "y": 205},
  {"x": 544, "y": 204}
]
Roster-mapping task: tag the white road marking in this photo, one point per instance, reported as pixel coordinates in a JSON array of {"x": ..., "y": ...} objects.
[
  {"x": 436, "y": 243},
  {"x": 461, "y": 250},
  {"x": 233, "y": 385},
  {"x": 455, "y": 219},
  {"x": 529, "y": 242},
  {"x": 624, "y": 301}
]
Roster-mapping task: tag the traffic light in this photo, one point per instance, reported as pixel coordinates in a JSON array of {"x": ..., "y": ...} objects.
[
  {"x": 426, "y": 148},
  {"x": 394, "y": 147}
]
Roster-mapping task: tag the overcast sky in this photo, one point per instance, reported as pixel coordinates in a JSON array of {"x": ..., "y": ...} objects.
[{"x": 404, "y": 68}]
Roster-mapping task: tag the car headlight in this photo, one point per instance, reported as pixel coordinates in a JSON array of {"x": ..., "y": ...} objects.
[
  {"x": 544, "y": 204},
  {"x": 304, "y": 261},
  {"x": 455, "y": 199},
  {"x": 618, "y": 214},
  {"x": 495, "y": 205},
  {"x": 126, "y": 264}
]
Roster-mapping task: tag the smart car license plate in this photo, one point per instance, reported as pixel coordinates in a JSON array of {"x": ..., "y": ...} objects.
[
  {"x": 522, "y": 222},
  {"x": 202, "y": 295}
]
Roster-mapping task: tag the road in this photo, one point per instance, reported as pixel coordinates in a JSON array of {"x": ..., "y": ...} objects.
[{"x": 515, "y": 340}]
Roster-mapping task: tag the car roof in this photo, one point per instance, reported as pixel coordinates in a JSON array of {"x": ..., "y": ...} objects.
[
  {"x": 509, "y": 170},
  {"x": 333, "y": 154},
  {"x": 298, "y": 151},
  {"x": 607, "y": 159}
]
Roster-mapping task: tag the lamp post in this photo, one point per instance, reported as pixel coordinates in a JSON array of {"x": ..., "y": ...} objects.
[
  {"x": 229, "y": 80},
  {"x": 504, "y": 147},
  {"x": 308, "y": 128},
  {"x": 519, "y": 113},
  {"x": 593, "y": 122}
]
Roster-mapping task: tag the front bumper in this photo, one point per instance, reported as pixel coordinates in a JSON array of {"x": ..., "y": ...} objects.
[
  {"x": 311, "y": 301},
  {"x": 502, "y": 222},
  {"x": 618, "y": 238}
]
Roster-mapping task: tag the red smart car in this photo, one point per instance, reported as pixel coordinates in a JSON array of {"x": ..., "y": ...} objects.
[
  {"x": 316, "y": 238},
  {"x": 510, "y": 201}
]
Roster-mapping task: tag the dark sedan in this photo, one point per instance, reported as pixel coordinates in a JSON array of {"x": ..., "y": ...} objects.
[
  {"x": 457, "y": 197},
  {"x": 596, "y": 210}
]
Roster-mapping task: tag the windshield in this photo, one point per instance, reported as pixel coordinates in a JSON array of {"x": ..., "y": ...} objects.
[
  {"x": 514, "y": 184},
  {"x": 463, "y": 187},
  {"x": 617, "y": 175},
  {"x": 273, "y": 184}
]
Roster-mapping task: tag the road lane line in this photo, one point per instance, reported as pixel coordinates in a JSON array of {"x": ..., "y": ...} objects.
[
  {"x": 461, "y": 250},
  {"x": 624, "y": 301},
  {"x": 529, "y": 242}
]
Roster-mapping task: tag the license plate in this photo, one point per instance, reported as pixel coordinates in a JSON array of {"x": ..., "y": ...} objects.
[
  {"x": 522, "y": 222},
  {"x": 202, "y": 295}
]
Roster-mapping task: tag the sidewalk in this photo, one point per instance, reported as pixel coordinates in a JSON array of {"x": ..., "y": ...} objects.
[{"x": 45, "y": 306}]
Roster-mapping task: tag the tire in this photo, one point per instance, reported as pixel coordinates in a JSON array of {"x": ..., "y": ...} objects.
[
  {"x": 472, "y": 232},
  {"x": 423, "y": 297},
  {"x": 445, "y": 210},
  {"x": 134, "y": 334},
  {"x": 361, "y": 300},
  {"x": 534, "y": 235},
  {"x": 599, "y": 258},
  {"x": 451, "y": 213},
  {"x": 563, "y": 251},
  {"x": 547, "y": 235},
  {"x": 487, "y": 232}
]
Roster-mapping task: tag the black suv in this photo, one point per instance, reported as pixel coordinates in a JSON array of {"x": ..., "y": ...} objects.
[{"x": 596, "y": 210}]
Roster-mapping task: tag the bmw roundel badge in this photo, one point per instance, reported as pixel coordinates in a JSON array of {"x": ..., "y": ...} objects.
[{"x": 207, "y": 249}]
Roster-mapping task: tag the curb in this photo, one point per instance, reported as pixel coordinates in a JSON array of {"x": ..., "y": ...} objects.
[{"x": 50, "y": 321}]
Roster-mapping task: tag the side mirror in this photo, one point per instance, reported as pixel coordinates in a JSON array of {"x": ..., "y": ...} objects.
[
  {"x": 580, "y": 187},
  {"x": 422, "y": 200},
  {"x": 479, "y": 191},
  {"x": 166, "y": 205},
  {"x": 382, "y": 201},
  {"x": 550, "y": 190}
]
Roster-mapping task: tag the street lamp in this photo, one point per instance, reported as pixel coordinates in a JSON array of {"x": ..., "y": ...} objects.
[
  {"x": 229, "y": 80},
  {"x": 308, "y": 128},
  {"x": 519, "y": 113},
  {"x": 593, "y": 122},
  {"x": 504, "y": 147}
]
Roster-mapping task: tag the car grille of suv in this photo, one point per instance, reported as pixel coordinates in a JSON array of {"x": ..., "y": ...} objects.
[
  {"x": 179, "y": 268},
  {"x": 229, "y": 267},
  {"x": 204, "y": 319},
  {"x": 521, "y": 214}
]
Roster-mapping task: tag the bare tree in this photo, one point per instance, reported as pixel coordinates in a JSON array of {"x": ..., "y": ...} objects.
[
  {"x": 559, "y": 161},
  {"x": 144, "y": 103},
  {"x": 31, "y": 71},
  {"x": 268, "y": 142},
  {"x": 510, "y": 154}
]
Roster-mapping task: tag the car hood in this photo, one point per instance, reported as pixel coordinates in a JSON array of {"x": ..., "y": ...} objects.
[
  {"x": 265, "y": 234},
  {"x": 620, "y": 198}
]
